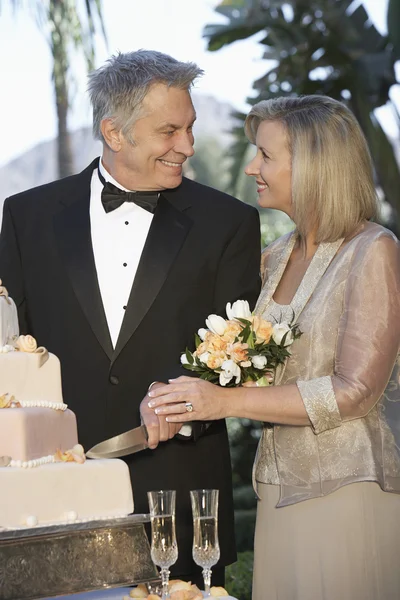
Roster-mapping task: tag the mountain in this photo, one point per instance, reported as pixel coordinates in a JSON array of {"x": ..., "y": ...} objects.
[{"x": 39, "y": 165}]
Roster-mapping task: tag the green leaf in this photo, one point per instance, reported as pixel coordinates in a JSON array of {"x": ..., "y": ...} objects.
[
  {"x": 189, "y": 356},
  {"x": 393, "y": 22},
  {"x": 355, "y": 58}
]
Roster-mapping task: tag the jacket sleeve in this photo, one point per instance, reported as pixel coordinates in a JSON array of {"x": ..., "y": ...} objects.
[
  {"x": 11, "y": 272},
  {"x": 238, "y": 276},
  {"x": 367, "y": 343}
]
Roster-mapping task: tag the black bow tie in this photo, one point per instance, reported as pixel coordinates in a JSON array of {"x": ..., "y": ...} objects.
[{"x": 113, "y": 197}]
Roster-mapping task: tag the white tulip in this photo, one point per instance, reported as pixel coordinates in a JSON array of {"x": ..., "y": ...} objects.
[
  {"x": 202, "y": 334},
  {"x": 279, "y": 330},
  {"x": 259, "y": 361},
  {"x": 204, "y": 357},
  {"x": 216, "y": 324},
  {"x": 239, "y": 310},
  {"x": 184, "y": 360},
  {"x": 229, "y": 370}
]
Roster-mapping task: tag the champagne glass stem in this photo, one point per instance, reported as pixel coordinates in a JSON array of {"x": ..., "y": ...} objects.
[
  {"x": 164, "y": 581},
  {"x": 207, "y": 582}
]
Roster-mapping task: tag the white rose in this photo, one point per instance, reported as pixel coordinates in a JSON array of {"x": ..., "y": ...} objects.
[
  {"x": 204, "y": 357},
  {"x": 229, "y": 370},
  {"x": 279, "y": 330},
  {"x": 216, "y": 324},
  {"x": 239, "y": 310},
  {"x": 259, "y": 361},
  {"x": 202, "y": 334},
  {"x": 184, "y": 360},
  {"x": 26, "y": 343}
]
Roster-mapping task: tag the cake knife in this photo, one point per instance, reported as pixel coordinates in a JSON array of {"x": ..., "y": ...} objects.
[{"x": 121, "y": 445}]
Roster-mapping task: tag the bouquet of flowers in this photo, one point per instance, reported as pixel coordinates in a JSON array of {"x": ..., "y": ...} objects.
[{"x": 244, "y": 347}]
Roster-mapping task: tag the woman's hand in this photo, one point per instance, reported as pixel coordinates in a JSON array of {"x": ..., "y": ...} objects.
[{"x": 174, "y": 401}]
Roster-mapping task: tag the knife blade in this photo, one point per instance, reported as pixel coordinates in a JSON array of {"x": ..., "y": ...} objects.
[{"x": 123, "y": 444}]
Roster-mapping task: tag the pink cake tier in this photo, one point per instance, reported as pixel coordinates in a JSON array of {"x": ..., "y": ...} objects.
[
  {"x": 38, "y": 436},
  {"x": 30, "y": 434}
]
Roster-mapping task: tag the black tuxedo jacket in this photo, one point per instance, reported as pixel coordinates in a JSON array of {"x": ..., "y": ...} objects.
[{"x": 202, "y": 250}]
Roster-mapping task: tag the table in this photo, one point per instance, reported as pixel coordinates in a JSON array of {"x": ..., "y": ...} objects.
[{"x": 114, "y": 594}]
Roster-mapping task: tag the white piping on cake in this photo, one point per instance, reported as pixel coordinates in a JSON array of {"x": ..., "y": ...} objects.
[
  {"x": 43, "y": 404},
  {"x": 29, "y": 464}
]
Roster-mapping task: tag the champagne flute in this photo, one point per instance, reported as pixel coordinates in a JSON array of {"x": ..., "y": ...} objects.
[
  {"x": 164, "y": 549},
  {"x": 205, "y": 532}
]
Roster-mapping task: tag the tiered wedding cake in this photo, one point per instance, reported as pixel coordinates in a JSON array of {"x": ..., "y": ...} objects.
[{"x": 44, "y": 477}]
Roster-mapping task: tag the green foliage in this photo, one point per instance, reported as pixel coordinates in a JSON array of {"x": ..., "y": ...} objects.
[
  {"x": 274, "y": 224},
  {"x": 67, "y": 25},
  {"x": 244, "y": 497},
  {"x": 243, "y": 438},
  {"x": 239, "y": 576},
  {"x": 245, "y": 522},
  {"x": 319, "y": 47},
  {"x": 393, "y": 25},
  {"x": 210, "y": 163}
]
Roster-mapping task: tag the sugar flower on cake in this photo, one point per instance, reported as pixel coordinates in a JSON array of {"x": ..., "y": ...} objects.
[
  {"x": 240, "y": 349},
  {"x": 7, "y": 401},
  {"x": 6, "y": 349},
  {"x": 26, "y": 343},
  {"x": 76, "y": 454}
]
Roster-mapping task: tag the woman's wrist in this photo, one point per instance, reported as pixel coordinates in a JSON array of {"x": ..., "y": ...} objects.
[{"x": 231, "y": 400}]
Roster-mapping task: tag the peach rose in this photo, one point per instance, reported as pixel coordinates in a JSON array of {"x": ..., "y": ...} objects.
[
  {"x": 201, "y": 349},
  {"x": 215, "y": 342},
  {"x": 216, "y": 359},
  {"x": 238, "y": 352},
  {"x": 262, "y": 329},
  {"x": 232, "y": 331}
]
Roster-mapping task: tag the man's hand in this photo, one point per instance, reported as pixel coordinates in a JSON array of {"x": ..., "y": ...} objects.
[{"x": 157, "y": 427}]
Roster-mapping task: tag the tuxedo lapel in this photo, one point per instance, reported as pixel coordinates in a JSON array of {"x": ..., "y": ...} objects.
[
  {"x": 72, "y": 229},
  {"x": 166, "y": 236}
]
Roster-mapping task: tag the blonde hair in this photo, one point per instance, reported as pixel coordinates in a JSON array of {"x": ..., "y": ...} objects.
[{"x": 332, "y": 178}]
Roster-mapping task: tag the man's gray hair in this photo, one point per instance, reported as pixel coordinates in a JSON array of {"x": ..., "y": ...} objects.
[{"x": 118, "y": 88}]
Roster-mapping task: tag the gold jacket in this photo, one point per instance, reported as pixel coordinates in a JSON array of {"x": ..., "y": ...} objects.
[{"x": 346, "y": 366}]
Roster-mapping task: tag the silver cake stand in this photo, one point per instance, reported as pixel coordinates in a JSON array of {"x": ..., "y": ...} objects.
[{"x": 44, "y": 562}]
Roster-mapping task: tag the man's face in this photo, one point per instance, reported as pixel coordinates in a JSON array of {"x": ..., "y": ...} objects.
[{"x": 163, "y": 140}]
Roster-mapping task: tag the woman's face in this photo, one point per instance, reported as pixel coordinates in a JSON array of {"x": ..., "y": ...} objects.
[{"x": 272, "y": 167}]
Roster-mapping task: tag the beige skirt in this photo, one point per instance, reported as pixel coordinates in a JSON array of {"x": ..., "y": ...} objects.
[{"x": 344, "y": 546}]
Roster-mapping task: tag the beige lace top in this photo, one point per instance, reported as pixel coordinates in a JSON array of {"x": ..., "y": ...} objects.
[{"x": 346, "y": 366}]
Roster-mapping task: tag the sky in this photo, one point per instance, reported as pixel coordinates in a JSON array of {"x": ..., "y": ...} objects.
[{"x": 171, "y": 26}]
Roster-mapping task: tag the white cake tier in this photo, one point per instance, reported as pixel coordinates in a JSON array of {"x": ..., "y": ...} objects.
[
  {"x": 22, "y": 376},
  {"x": 62, "y": 492},
  {"x": 28, "y": 434},
  {"x": 8, "y": 321}
]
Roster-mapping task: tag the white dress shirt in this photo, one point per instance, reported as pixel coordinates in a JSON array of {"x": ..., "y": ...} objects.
[{"x": 118, "y": 239}]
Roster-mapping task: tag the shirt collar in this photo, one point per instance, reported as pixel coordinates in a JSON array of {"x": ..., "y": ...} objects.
[{"x": 109, "y": 177}]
